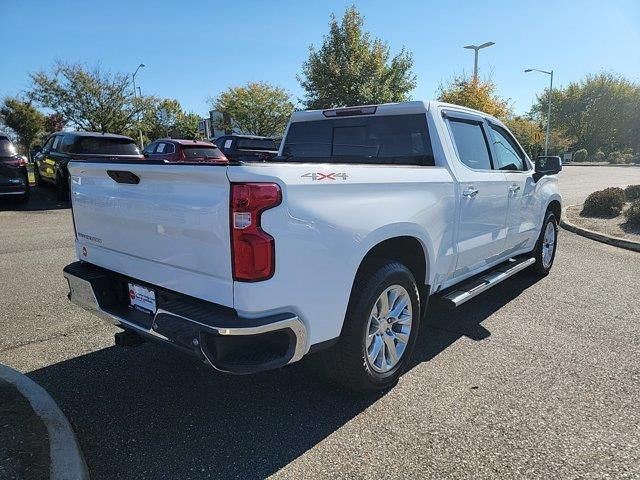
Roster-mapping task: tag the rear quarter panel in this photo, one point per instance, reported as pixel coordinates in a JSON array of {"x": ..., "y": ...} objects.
[{"x": 323, "y": 229}]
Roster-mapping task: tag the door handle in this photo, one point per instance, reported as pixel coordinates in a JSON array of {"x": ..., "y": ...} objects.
[
  {"x": 514, "y": 188},
  {"x": 470, "y": 192}
]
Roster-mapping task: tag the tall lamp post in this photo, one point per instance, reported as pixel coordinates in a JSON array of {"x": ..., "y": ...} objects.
[
  {"x": 548, "y": 133},
  {"x": 142, "y": 65},
  {"x": 477, "y": 48}
]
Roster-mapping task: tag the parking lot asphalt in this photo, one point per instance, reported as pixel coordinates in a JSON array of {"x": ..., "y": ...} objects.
[{"x": 532, "y": 379}]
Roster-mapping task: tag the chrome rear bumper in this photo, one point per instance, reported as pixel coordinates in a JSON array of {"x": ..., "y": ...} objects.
[{"x": 213, "y": 333}]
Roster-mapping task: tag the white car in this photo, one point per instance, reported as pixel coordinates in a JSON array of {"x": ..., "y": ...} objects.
[{"x": 335, "y": 245}]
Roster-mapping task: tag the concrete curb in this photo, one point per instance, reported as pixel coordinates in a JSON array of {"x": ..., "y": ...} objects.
[
  {"x": 67, "y": 462},
  {"x": 600, "y": 237}
]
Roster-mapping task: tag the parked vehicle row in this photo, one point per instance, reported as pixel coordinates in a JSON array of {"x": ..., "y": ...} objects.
[
  {"x": 50, "y": 161},
  {"x": 334, "y": 246}
]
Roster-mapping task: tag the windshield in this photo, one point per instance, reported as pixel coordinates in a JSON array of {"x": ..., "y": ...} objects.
[
  {"x": 393, "y": 139},
  {"x": 104, "y": 146},
  {"x": 7, "y": 148},
  {"x": 257, "y": 144},
  {"x": 201, "y": 152}
]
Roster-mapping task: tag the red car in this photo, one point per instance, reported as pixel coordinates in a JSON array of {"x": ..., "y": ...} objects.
[{"x": 184, "y": 151}]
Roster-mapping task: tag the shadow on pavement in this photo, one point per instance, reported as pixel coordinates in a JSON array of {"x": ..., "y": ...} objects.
[
  {"x": 41, "y": 199},
  {"x": 149, "y": 412}
]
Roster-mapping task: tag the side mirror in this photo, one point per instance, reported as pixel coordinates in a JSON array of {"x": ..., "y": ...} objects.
[{"x": 547, "y": 165}]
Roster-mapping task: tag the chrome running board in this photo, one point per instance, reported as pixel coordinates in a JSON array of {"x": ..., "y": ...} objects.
[{"x": 485, "y": 281}]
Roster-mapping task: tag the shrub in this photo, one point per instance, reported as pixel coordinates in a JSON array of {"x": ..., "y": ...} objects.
[
  {"x": 618, "y": 157},
  {"x": 581, "y": 155},
  {"x": 604, "y": 203},
  {"x": 599, "y": 156},
  {"x": 632, "y": 192},
  {"x": 636, "y": 159},
  {"x": 632, "y": 214}
]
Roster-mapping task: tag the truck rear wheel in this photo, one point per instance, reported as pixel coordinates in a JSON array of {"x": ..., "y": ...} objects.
[{"x": 380, "y": 328}]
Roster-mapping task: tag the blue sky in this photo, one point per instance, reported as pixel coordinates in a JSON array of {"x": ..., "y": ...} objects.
[{"x": 195, "y": 49}]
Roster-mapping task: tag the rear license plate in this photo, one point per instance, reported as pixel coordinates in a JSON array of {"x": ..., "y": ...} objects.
[{"x": 142, "y": 298}]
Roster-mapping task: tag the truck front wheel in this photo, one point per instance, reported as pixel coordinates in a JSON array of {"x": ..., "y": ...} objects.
[
  {"x": 545, "y": 251},
  {"x": 379, "y": 330}
]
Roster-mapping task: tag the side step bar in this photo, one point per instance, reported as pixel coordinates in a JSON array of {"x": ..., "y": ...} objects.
[{"x": 485, "y": 281}]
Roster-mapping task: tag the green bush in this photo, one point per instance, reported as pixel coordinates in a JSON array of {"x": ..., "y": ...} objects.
[
  {"x": 636, "y": 159},
  {"x": 599, "y": 156},
  {"x": 632, "y": 192},
  {"x": 604, "y": 203},
  {"x": 632, "y": 214},
  {"x": 618, "y": 157},
  {"x": 581, "y": 155}
]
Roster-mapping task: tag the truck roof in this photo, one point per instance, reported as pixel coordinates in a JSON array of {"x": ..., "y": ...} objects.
[{"x": 400, "y": 108}]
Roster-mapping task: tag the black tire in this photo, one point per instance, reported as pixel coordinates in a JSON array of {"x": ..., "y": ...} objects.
[
  {"x": 540, "y": 267},
  {"x": 40, "y": 183},
  {"x": 62, "y": 188},
  {"x": 346, "y": 362}
]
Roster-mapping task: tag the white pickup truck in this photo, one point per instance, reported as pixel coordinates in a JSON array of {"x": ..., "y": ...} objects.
[{"x": 335, "y": 245}]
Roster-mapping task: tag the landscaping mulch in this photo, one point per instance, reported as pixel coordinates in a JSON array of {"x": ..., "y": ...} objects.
[
  {"x": 24, "y": 442},
  {"x": 615, "y": 227}
]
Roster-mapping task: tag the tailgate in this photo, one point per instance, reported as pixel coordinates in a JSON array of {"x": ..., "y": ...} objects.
[{"x": 171, "y": 228}]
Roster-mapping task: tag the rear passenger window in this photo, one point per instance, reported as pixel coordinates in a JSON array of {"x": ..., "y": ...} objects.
[{"x": 471, "y": 144}]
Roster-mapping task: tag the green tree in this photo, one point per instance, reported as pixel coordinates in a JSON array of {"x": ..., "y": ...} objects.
[
  {"x": 256, "y": 108},
  {"x": 477, "y": 94},
  {"x": 88, "y": 98},
  {"x": 24, "y": 119},
  {"x": 187, "y": 126},
  {"x": 601, "y": 112},
  {"x": 160, "y": 116},
  {"x": 351, "y": 68}
]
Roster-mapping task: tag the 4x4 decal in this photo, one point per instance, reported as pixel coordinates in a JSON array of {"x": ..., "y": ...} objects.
[{"x": 325, "y": 176}]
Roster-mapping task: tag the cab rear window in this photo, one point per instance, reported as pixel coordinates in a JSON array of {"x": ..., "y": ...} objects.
[
  {"x": 392, "y": 139},
  {"x": 256, "y": 144}
]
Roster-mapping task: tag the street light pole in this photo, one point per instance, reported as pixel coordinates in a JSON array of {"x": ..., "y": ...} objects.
[
  {"x": 134, "y": 96},
  {"x": 547, "y": 136},
  {"x": 476, "y": 49}
]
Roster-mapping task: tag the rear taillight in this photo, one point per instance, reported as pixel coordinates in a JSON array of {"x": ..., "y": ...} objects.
[{"x": 252, "y": 249}]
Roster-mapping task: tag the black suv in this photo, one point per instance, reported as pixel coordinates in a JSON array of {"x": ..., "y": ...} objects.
[
  {"x": 14, "y": 179},
  {"x": 50, "y": 163},
  {"x": 247, "y": 147}
]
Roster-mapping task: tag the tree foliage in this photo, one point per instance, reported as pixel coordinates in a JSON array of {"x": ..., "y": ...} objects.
[
  {"x": 601, "y": 112},
  {"x": 160, "y": 116},
  {"x": 187, "y": 126},
  {"x": 256, "y": 108},
  {"x": 24, "y": 119},
  {"x": 88, "y": 98},
  {"x": 351, "y": 68},
  {"x": 474, "y": 93}
]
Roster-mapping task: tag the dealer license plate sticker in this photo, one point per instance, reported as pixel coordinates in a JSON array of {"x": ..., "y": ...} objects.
[{"x": 142, "y": 298}]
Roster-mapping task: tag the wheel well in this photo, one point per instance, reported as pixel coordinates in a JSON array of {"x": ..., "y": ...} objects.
[
  {"x": 555, "y": 207},
  {"x": 406, "y": 250}
]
